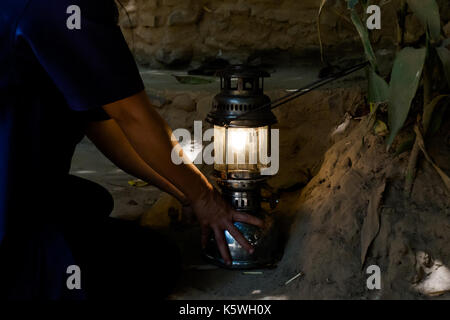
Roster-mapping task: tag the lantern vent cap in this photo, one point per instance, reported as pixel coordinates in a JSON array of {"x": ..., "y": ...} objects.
[{"x": 243, "y": 71}]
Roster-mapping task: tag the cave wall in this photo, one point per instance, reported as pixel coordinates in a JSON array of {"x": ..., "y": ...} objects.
[{"x": 165, "y": 33}]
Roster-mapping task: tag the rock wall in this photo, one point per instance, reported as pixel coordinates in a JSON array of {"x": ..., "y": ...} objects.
[
  {"x": 171, "y": 32},
  {"x": 176, "y": 32}
]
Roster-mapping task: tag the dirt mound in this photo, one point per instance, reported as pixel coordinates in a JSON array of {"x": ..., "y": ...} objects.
[{"x": 338, "y": 214}]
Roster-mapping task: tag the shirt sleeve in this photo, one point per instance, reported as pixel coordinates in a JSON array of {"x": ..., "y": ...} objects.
[{"x": 91, "y": 66}]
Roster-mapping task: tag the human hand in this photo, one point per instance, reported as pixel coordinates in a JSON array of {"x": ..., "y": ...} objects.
[{"x": 215, "y": 215}]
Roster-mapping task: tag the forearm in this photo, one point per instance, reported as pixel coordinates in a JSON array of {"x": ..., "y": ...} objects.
[
  {"x": 150, "y": 136},
  {"x": 111, "y": 141}
]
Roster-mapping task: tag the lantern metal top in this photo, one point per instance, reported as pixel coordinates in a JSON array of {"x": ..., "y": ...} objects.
[
  {"x": 243, "y": 71},
  {"x": 242, "y": 90}
]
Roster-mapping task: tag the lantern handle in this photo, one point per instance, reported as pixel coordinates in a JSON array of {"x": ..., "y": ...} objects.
[{"x": 304, "y": 90}]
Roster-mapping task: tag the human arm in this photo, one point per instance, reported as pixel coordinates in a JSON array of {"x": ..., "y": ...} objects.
[
  {"x": 109, "y": 138},
  {"x": 150, "y": 136}
]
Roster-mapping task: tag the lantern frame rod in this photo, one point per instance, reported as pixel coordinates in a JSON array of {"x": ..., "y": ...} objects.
[
  {"x": 302, "y": 91},
  {"x": 226, "y": 150}
]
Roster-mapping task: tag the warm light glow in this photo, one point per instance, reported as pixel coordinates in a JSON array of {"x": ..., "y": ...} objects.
[
  {"x": 242, "y": 150},
  {"x": 238, "y": 139}
]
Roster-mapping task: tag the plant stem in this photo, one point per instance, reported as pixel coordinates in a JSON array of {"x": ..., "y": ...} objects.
[
  {"x": 412, "y": 163},
  {"x": 411, "y": 170}
]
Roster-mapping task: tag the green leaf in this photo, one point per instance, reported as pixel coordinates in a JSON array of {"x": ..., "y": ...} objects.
[
  {"x": 364, "y": 34},
  {"x": 373, "y": 107},
  {"x": 428, "y": 13},
  {"x": 192, "y": 80},
  {"x": 352, "y": 3},
  {"x": 319, "y": 33},
  {"x": 138, "y": 183},
  {"x": 378, "y": 88},
  {"x": 405, "y": 78},
  {"x": 444, "y": 55}
]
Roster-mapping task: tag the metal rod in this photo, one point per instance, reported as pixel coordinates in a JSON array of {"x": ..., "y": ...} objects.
[
  {"x": 226, "y": 151},
  {"x": 304, "y": 90}
]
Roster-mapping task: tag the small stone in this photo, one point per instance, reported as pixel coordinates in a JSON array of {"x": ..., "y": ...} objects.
[
  {"x": 174, "y": 57},
  {"x": 204, "y": 106},
  {"x": 157, "y": 101},
  {"x": 149, "y": 4},
  {"x": 147, "y": 19},
  {"x": 184, "y": 102},
  {"x": 132, "y": 203},
  {"x": 182, "y": 17}
]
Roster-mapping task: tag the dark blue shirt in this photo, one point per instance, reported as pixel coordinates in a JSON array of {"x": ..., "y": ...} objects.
[{"x": 53, "y": 79}]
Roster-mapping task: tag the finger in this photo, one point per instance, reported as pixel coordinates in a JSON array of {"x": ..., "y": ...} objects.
[
  {"x": 246, "y": 218},
  {"x": 237, "y": 235},
  {"x": 205, "y": 236},
  {"x": 222, "y": 245}
]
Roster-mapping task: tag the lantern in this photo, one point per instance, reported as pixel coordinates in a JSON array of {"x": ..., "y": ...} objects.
[{"x": 242, "y": 121}]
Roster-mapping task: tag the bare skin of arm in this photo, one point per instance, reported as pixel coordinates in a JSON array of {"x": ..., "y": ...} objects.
[
  {"x": 150, "y": 136},
  {"x": 111, "y": 141}
]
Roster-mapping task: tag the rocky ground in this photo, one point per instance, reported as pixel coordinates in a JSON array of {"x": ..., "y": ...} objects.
[{"x": 335, "y": 185}]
